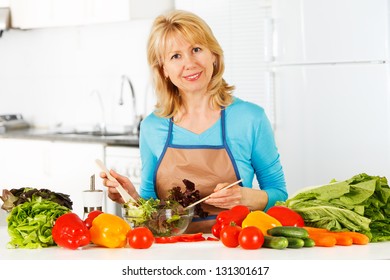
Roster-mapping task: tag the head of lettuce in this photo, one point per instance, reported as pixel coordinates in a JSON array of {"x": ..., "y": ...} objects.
[
  {"x": 361, "y": 204},
  {"x": 32, "y": 214}
]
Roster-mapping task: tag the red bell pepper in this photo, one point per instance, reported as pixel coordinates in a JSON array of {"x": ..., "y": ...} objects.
[
  {"x": 187, "y": 237},
  {"x": 286, "y": 216},
  {"x": 91, "y": 216},
  {"x": 237, "y": 214},
  {"x": 69, "y": 231}
]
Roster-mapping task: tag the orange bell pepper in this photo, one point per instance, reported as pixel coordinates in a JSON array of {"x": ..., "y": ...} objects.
[
  {"x": 261, "y": 220},
  {"x": 109, "y": 231}
]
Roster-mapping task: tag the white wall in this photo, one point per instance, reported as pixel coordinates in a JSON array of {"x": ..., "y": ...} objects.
[{"x": 48, "y": 74}]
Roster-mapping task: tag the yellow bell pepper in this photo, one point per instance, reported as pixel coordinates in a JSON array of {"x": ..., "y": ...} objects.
[
  {"x": 261, "y": 220},
  {"x": 109, "y": 231}
]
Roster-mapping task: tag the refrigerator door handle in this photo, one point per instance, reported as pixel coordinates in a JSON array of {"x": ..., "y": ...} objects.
[
  {"x": 268, "y": 39},
  {"x": 270, "y": 97}
]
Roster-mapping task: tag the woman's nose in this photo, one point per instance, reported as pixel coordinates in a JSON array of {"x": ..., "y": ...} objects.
[{"x": 189, "y": 61}]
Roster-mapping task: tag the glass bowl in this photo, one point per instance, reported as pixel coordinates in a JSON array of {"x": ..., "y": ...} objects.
[{"x": 162, "y": 222}]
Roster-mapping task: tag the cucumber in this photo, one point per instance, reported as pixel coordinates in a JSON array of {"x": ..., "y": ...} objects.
[
  {"x": 294, "y": 242},
  {"x": 275, "y": 242},
  {"x": 309, "y": 242},
  {"x": 288, "y": 231}
]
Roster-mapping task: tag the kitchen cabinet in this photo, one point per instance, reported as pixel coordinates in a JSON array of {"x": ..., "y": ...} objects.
[
  {"x": 28, "y": 14},
  {"x": 70, "y": 167},
  {"x": 4, "y": 3},
  {"x": 59, "y": 166},
  {"x": 23, "y": 163}
]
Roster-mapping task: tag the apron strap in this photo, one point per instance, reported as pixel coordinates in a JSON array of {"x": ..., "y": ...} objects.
[{"x": 223, "y": 126}]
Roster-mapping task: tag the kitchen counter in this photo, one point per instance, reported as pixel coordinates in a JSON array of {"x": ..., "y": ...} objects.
[
  {"x": 42, "y": 134},
  {"x": 204, "y": 250}
]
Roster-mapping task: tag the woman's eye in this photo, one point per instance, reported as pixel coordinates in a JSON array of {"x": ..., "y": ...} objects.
[
  {"x": 175, "y": 56},
  {"x": 197, "y": 49}
]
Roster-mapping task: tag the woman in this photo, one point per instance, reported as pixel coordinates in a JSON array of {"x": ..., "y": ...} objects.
[{"x": 199, "y": 130}]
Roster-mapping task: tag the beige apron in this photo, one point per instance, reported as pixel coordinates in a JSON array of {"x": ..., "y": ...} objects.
[{"x": 204, "y": 165}]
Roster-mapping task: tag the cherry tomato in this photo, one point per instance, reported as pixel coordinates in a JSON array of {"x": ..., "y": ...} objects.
[
  {"x": 286, "y": 216},
  {"x": 216, "y": 230},
  {"x": 229, "y": 235},
  {"x": 91, "y": 216},
  {"x": 251, "y": 238},
  {"x": 140, "y": 238},
  {"x": 224, "y": 217},
  {"x": 239, "y": 213}
]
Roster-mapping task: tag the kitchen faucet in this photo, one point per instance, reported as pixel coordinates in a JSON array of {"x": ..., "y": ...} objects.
[
  {"x": 102, "y": 125},
  {"x": 137, "y": 118}
]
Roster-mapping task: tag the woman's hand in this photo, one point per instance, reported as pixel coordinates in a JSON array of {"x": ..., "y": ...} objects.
[
  {"x": 254, "y": 199},
  {"x": 125, "y": 182}
]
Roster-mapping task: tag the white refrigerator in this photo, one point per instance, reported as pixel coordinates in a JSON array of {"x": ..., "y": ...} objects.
[{"x": 330, "y": 70}]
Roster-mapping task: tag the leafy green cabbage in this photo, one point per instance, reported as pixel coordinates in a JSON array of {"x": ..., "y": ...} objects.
[{"x": 360, "y": 204}]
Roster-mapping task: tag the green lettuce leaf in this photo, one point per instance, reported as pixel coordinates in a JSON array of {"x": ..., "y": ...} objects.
[
  {"x": 30, "y": 223},
  {"x": 361, "y": 203},
  {"x": 322, "y": 214}
]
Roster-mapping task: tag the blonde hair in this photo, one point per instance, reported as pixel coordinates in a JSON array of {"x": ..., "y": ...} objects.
[{"x": 196, "y": 31}]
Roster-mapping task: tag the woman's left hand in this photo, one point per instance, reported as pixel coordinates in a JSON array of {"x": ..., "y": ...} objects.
[
  {"x": 225, "y": 198},
  {"x": 253, "y": 198}
]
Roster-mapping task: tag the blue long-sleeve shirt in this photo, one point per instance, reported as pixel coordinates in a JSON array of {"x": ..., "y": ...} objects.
[{"x": 250, "y": 139}]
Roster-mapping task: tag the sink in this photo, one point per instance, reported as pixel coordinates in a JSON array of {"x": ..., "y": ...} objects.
[
  {"x": 93, "y": 133},
  {"x": 88, "y": 131}
]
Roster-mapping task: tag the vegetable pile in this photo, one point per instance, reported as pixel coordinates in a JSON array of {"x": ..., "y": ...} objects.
[
  {"x": 278, "y": 228},
  {"x": 359, "y": 204},
  {"x": 32, "y": 216}
]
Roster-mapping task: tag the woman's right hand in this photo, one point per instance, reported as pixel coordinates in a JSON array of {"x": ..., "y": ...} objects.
[{"x": 125, "y": 182}]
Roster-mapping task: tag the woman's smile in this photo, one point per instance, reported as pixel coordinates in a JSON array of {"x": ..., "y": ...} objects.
[{"x": 193, "y": 77}]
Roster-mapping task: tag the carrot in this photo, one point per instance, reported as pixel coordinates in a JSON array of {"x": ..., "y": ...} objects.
[
  {"x": 323, "y": 240},
  {"x": 357, "y": 237},
  {"x": 315, "y": 230},
  {"x": 344, "y": 238}
]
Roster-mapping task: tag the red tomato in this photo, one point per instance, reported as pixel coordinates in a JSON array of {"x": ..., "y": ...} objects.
[
  {"x": 216, "y": 230},
  {"x": 140, "y": 238},
  {"x": 224, "y": 217},
  {"x": 229, "y": 235},
  {"x": 92, "y": 215},
  {"x": 239, "y": 213},
  {"x": 251, "y": 238},
  {"x": 286, "y": 216}
]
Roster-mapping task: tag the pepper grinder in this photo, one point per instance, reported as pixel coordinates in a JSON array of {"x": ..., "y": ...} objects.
[{"x": 92, "y": 198}]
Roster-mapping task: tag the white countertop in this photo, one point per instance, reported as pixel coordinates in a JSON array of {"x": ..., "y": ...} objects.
[{"x": 204, "y": 250}]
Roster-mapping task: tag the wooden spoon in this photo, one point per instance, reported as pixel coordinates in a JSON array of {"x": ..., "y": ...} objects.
[
  {"x": 206, "y": 197},
  {"x": 124, "y": 194}
]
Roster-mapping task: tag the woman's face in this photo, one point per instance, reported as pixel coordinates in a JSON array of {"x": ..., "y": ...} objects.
[{"x": 189, "y": 67}]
